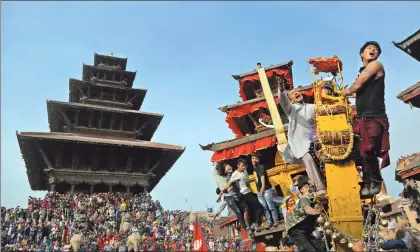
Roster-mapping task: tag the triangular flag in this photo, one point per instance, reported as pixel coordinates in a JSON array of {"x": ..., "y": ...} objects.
[{"x": 199, "y": 240}]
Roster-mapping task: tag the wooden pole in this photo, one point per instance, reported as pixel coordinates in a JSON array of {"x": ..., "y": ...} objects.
[{"x": 272, "y": 107}]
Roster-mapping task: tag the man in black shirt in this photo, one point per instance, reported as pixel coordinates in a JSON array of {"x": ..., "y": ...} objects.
[
  {"x": 265, "y": 194},
  {"x": 372, "y": 124}
]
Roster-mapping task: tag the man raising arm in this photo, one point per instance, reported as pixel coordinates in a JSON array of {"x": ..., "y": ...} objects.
[{"x": 372, "y": 124}]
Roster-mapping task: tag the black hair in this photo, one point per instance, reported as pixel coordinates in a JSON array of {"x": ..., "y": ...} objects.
[
  {"x": 220, "y": 168},
  {"x": 256, "y": 154},
  {"x": 218, "y": 191},
  {"x": 302, "y": 181},
  {"x": 241, "y": 161},
  {"x": 374, "y": 43}
]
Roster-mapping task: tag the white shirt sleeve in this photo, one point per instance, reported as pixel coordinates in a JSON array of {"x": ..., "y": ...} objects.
[{"x": 235, "y": 176}]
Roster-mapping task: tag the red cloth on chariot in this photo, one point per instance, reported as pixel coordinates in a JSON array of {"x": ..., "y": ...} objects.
[{"x": 326, "y": 65}]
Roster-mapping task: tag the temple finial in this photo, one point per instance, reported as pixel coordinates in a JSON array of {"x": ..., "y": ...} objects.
[{"x": 111, "y": 54}]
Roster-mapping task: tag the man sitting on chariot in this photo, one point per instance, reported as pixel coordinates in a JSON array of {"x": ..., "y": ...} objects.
[{"x": 301, "y": 126}]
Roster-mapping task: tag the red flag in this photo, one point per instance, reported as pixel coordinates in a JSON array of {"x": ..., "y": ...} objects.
[{"x": 199, "y": 240}]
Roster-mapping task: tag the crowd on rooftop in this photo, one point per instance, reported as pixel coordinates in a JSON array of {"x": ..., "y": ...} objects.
[{"x": 106, "y": 221}]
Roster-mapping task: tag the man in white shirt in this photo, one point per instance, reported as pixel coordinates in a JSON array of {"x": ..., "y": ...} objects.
[
  {"x": 300, "y": 127},
  {"x": 252, "y": 212}
]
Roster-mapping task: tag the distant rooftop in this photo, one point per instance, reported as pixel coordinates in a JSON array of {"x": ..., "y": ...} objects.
[
  {"x": 411, "y": 45},
  {"x": 110, "y": 60}
]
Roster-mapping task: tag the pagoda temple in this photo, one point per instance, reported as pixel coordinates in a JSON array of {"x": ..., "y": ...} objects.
[{"x": 99, "y": 141}]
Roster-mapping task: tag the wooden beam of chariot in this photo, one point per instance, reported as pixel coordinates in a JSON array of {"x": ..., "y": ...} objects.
[
  {"x": 272, "y": 107},
  {"x": 45, "y": 158},
  {"x": 66, "y": 119}
]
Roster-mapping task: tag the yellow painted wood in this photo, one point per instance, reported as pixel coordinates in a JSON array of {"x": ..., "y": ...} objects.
[
  {"x": 280, "y": 175},
  {"x": 345, "y": 206}
]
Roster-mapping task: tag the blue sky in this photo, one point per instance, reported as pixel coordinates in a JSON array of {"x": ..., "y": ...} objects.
[{"x": 184, "y": 54}]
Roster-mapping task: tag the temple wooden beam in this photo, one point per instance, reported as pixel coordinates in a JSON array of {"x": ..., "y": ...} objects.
[
  {"x": 59, "y": 156},
  {"x": 45, "y": 158},
  {"x": 108, "y": 103},
  {"x": 101, "y": 118},
  {"x": 106, "y": 132},
  {"x": 65, "y": 119},
  {"x": 129, "y": 164},
  {"x": 101, "y": 96},
  {"x": 154, "y": 166},
  {"x": 76, "y": 117},
  {"x": 89, "y": 88},
  {"x": 95, "y": 159},
  {"x": 91, "y": 115},
  {"x": 111, "y": 127},
  {"x": 147, "y": 163},
  {"x": 142, "y": 126},
  {"x": 136, "y": 123},
  {"x": 81, "y": 92},
  {"x": 132, "y": 98},
  {"x": 112, "y": 160},
  {"x": 126, "y": 96},
  {"x": 75, "y": 158},
  {"x": 122, "y": 122}
]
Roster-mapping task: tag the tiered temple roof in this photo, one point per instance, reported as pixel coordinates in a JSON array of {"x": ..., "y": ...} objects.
[
  {"x": 98, "y": 141},
  {"x": 110, "y": 121},
  {"x": 243, "y": 117},
  {"x": 411, "y": 46},
  {"x": 408, "y": 166},
  {"x": 411, "y": 95},
  {"x": 247, "y": 140},
  {"x": 106, "y": 94}
]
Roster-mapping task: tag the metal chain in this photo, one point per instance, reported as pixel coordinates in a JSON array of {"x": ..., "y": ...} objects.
[{"x": 370, "y": 237}]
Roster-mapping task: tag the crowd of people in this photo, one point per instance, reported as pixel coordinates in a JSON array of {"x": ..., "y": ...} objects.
[
  {"x": 102, "y": 222},
  {"x": 108, "y": 221}
]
